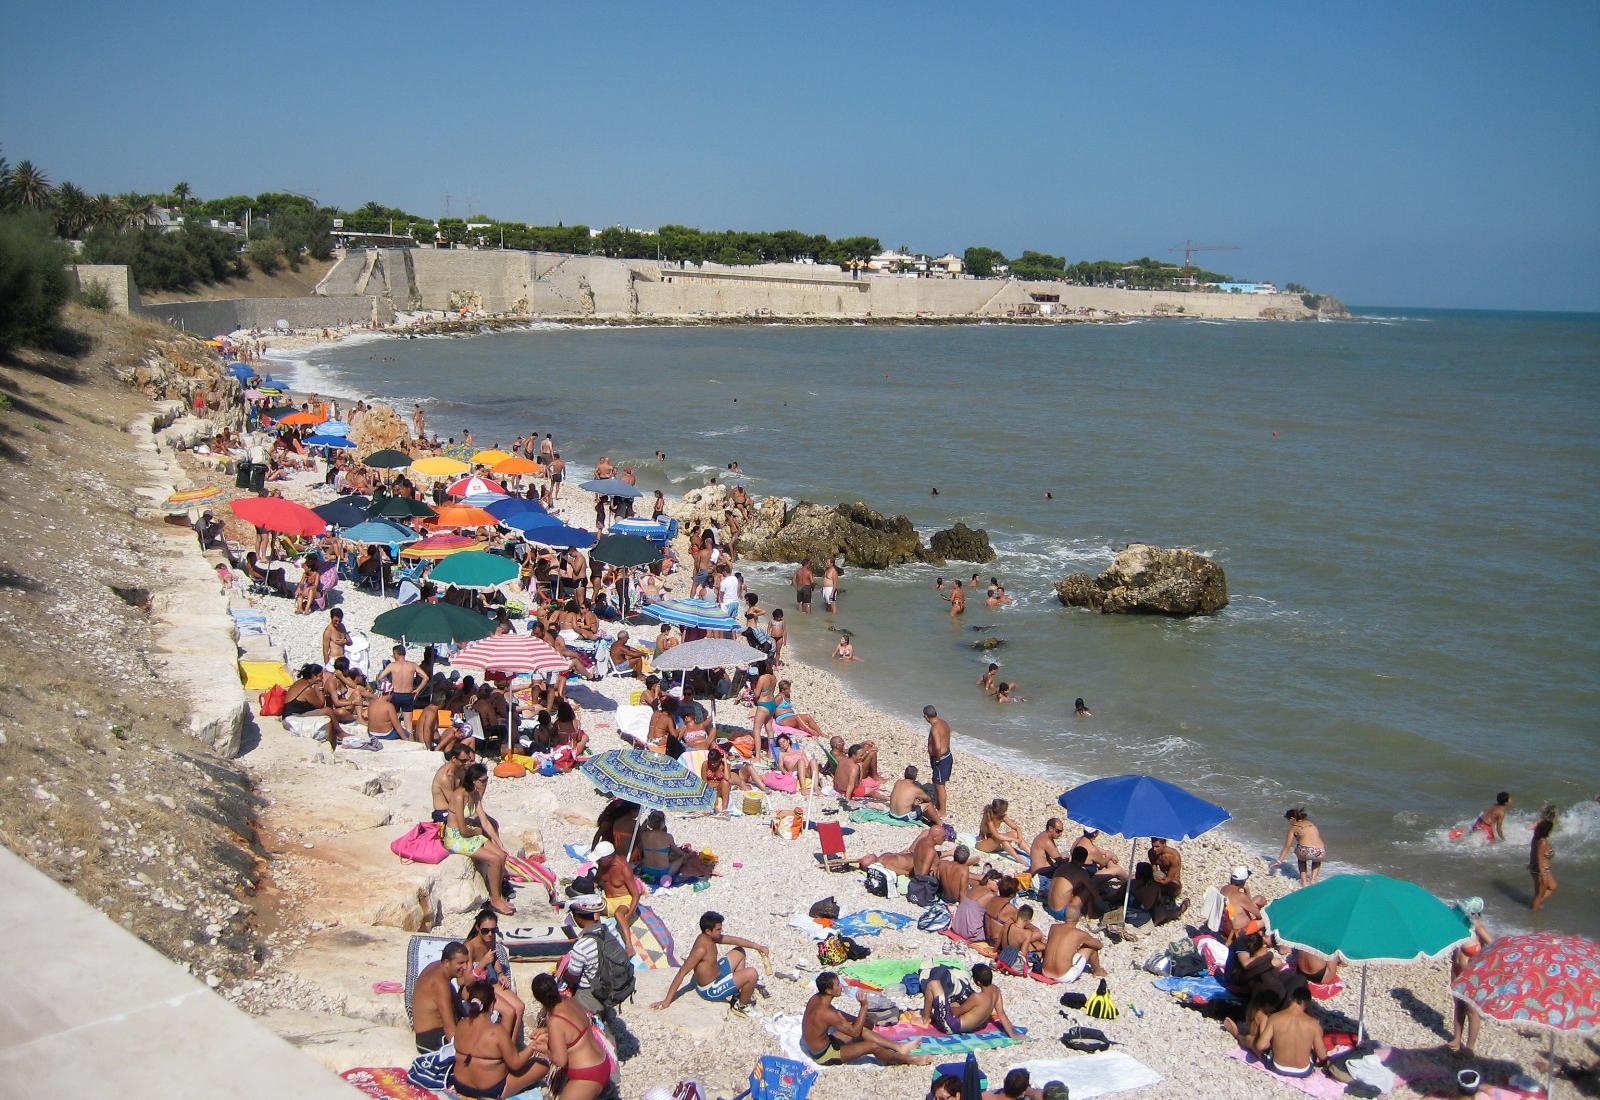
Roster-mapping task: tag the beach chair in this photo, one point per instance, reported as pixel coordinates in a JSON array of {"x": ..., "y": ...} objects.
[
  {"x": 779, "y": 1079},
  {"x": 830, "y": 835},
  {"x": 327, "y": 582}
]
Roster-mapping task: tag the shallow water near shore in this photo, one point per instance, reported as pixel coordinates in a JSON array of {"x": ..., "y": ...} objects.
[{"x": 1406, "y": 505}]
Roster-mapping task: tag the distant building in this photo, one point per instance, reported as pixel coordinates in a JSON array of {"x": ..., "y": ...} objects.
[
  {"x": 1246, "y": 288},
  {"x": 949, "y": 263}
]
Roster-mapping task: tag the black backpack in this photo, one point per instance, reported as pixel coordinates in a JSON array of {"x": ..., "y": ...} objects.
[
  {"x": 923, "y": 890},
  {"x": 877, "y": 882},
  {"x": 613, "y": 979}
]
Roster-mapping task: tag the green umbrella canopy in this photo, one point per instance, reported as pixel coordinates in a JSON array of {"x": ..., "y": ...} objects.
[
  {"x": 625, "y": 550},
  {"x": 1368, "y": 918},
  {"x": 429, "y": 623},
  {"x": 400, "y": 508},
  {"x": 387, "y": 459},
  {"x": 474, "y": 569}
]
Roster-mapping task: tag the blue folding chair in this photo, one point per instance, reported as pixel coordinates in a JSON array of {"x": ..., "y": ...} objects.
[{"x": 779, "y": 1079}]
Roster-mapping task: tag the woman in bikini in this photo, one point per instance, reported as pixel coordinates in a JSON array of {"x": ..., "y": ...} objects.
[
  {"x": 786, "y": 715},
  {"x": 1541, "y": 858},
  {"x": 659, "y": 857},
  {"x": 468, "y": 831},
  {"x": 307, "y": 698},
  {"x": 714, "y": 770},
  {"x": 766, "y": 699},
  {"x": 1306, "y": 840},
  {"x": 482, "y": 943},
  {"x": 305, "y": 593},
  {"x": 568, "y": 731},
  {"x": 998, "y": 833},
  {"x": 488, "y": 1063},
  {"x": 1467, "y": 1017},
  {"x": 794, "y": 761},
  {"x": 573, "y": 1042}
]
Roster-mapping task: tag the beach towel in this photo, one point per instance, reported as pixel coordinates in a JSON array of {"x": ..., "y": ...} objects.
[
  {"x": 869, "y": 922},
  {"x": 886, "y": 972},
  {"x": 1201, "y": 989},
  {"x": 533, "y": 871},
  {"x": 930, "y": 1040},
  {"x": 980, "y": 946},
  {"x": 386, "y": 1083},
  {"x": 633, "y": 722},
  {"x": 869, "y": 816},
  {"x": 655, "y": 947},
  {"x": 1091, "y": 1075},
  {"x": 1319, "y": 1084},
  {"x": 260, "y": 675}
]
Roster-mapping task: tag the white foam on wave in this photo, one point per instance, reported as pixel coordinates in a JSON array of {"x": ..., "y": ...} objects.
[
  {"x": 308, "y": 377},
  {"x": 1576, "y": 837},
  {"x": 714, "y": 433}
]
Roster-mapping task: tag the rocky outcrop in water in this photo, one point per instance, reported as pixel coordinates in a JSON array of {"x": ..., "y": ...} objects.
[
  {"x": 817, "y": 532},
  {"x": 377, "y": 429},
  {"x": 962, "y": 543},
  {"x": 1150, "y": 580}
]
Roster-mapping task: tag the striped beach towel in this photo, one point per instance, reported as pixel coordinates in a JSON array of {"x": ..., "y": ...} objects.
[
  {"x": 386, "y": 1083},
  {"x": 930, "y": 1040}
]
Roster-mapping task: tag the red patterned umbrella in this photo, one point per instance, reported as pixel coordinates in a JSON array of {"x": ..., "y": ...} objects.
[
  {"x": 472, "y": 486},
  {"x": 282, "y": 516},
  {"x": 1540, "y": 979},
  {"x": 511, "y": 653}
]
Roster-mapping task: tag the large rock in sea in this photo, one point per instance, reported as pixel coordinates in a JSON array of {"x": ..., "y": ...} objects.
[
  {"x": 379, "y": 428},
  {"x": 817, "y": 532},
  {"x": 961, "y": 543},
  {"x": 1150, "y": 580}
]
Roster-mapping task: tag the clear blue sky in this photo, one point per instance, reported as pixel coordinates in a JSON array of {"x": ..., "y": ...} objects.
[{"x": 1442, "y": 154}]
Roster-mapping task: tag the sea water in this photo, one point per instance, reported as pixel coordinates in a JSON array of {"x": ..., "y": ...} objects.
[{"x": 1406, "y": 505}]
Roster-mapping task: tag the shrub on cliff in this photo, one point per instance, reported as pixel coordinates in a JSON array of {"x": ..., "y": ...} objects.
[
  {"x": 193, "y": 256},
  {"x": 34, "y": 283},
  {"x": 264, "y": 254}
]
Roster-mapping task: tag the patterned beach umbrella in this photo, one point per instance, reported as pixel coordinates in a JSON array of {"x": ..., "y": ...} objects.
[
  {"x": 654, "y": 781},
  {"x": 439, "y": 546},
  {"x": 1542, "y": 979},
  {"x": 483, "y": 500},
  {"x": 686, "y": 612},
  {"x": 474, "y": 569},
  {"x": 707, "y": 653},
  {"x": 472, "y": 486},
  {"x": 512, "y": 653},
  {"x": 185, "y": 499}
]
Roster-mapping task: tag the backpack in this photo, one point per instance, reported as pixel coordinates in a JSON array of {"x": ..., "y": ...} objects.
[
  {"x": 434, "y": 1069},
  {"x": 923, "y": 890},
  {"x": 613, "y": 979},
  {"x": 935, "y": 918},
  {"x": 880, "y": 1010},
  {"x": 877, "y": 881},
  {"x": 826, "y": 909},
  {"x": 1086, "y": 1040},
  {"x": 271, "y": 702}
]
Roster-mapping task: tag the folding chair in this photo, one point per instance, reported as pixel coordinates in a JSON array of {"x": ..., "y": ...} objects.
[
  {"x": 830, "y": 834},
  {"x": 779, "y": 1079}
]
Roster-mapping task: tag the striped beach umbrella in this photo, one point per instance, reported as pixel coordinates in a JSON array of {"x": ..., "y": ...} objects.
[
  {"x": 470, "y": 486},
  {"x": 654, "y": 781},
  {"x": 511, "y": 653},
  {"x": 686, "y": 612},
  {"x": 185, "y": 499},
  {"x": 442, "y": 545}
]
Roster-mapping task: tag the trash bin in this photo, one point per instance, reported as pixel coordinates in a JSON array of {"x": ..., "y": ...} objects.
[
  {"x": 241, "y": 476},
  {"x": 258, "y": 478}
]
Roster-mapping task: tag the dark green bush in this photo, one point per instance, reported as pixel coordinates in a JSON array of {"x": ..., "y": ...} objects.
[{"x": 34, "y": 283}]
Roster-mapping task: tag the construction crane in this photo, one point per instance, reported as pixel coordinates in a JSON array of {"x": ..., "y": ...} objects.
[{"x": 1189, "y": 248}]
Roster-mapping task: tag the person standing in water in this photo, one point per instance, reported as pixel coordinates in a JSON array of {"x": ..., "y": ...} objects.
[
  {"x": 1306, "y": 840},
  {"x": 958, "y": 599},
  {"x": 1541, "y": 858}
]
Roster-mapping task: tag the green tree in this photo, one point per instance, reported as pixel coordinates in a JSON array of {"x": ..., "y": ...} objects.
[
  {"x": 104, "y": 211},
  {"x": 72, "y": 210},
  {"x": 453, "y": 230},
  {"x": 264, "y": 254},
  {"x": 981, "y": 261},
  {"x": 182, "y": 193},
  {"x": 137, "y": 210},
  {"x": 29, "y": 188},
  {"x": 1039, "y": 266},
  {"x": 34, "y": 284},
  {"x": 307, "y": 232}
]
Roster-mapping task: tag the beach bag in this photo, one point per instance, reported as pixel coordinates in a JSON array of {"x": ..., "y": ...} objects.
[
  {"x": 434, "y": 1069},
  {"x": 271, "y": 702},
  {"x": 826, "y": 909},
  {"x": 420, "y": 844},
  {"x": 753, "y": 804},
  {"x": 923, "y": 890},
  {"x": 935, "y": 918},
  {"x": 880, "y": 1010},
  {"x": 613, "y": 979},
  {"x": 1085, "y": 1040},
  {"x": 789, "y": 826},
  {"x": 877, "y": 882},
  {"x": 833, "y": 950}
]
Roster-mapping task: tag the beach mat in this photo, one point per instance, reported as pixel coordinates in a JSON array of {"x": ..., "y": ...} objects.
[
  {"x": 385, "y": 1083},
  {"x": 1319, "y": 1084},
  {"x": 886, "y": 972},
  {"x": 930, "y": 1040},
  {"x": 1200, "y": 989},
  {"x": 656, "y": 949},
  {"x": 869, "y": 922},
  {"x": 1091, "y": 1075},
  {"x": 870, "y": 816}
]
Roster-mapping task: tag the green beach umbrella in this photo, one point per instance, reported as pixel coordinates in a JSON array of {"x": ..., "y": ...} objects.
[
  {"x": 400, "y": 508},
  {"x": 1367, "y": 919},
  {"x": 625, "y": 550},
  {"x": 387, "y": 459},
  {"x": 474, "y": 569},
  {"x": 429, "y": 623}
]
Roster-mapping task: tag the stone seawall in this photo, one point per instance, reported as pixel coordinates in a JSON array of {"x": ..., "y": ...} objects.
[
  {"x": 541, "y": 284},
  {"x": 209, "y": 318}
]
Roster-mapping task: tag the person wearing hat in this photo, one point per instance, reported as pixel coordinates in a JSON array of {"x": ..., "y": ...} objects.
[
  {"x": 1241, "y": 911},
  {"x": 1466, "y": 1016},
  {"x": 584, "y": 957}
]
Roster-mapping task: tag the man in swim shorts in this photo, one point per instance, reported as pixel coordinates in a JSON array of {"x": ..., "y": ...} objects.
[
  {"x": 830, "y": 586},
  {"x": 831, "y": 1037},
  {"x": 1492, "y": 822},
  {"x": 1290, "y": 1043},
  {"x": 969, "y": 1014},
  {"x": 726, "y": 980},
  {"x": 804, "y": 581},
  {"x": 909, "y": 802},
  {"x": 939, "y": 755},
  {"x": 405, "y": 679}
]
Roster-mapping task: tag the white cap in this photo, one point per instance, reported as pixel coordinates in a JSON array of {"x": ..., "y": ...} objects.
[
  {"x": 588, "y": 903},
  {"x": 601, "y": 850},
  {"x": 1239, "y": 874}
]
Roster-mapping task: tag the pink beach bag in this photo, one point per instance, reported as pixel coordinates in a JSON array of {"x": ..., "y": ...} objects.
[{"x": 420, "y": 844}]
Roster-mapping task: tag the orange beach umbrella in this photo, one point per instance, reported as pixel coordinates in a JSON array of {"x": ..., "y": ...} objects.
[
  {"x": 515, "y": 467},
  {"x": 299, "y": 419},
  {"x": 462, "y": 515}
]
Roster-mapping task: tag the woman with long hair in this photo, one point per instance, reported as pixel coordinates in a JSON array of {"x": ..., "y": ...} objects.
[
  {"x": 488, "y": 1063},
  {"x": 583, "y": 1064}
]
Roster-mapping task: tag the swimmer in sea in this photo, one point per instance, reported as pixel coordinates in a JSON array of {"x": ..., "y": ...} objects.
[
  {"x": 1080, "y": 709},
  {"x": 1492, "y": 822},
  {"x": 986, "y": 681},
  {"x": 845, "y": 651},
  {"x": 935, "y": 491},
  {"x": 958, "y": 600},
  {"x": 997, "y": 597},
  {"x": 938, "y": 585}
]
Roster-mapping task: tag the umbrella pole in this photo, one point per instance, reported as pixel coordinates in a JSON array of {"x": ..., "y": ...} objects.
[
  {"x": 1361, "y": 1019},
  {"x": 1550, "y": 1067},
  {"x": 1127, "y": 891},
  {"x": 638, "y": 819}
]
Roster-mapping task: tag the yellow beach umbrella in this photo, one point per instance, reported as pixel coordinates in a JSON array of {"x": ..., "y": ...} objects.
[
  {"x": 439, "y": 466},
  {"x": 490, "y": 457}
]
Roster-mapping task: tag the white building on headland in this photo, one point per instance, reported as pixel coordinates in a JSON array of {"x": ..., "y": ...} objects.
[{"x": 1246, "y": 288}]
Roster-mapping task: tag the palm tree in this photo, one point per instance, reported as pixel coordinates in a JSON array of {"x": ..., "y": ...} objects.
[
  {"x": 137, "y": 210},
  {"x": 72, "y": 210},
  {"x": 5, "y": 183},
  {"x": 182, "y": 193},
  {"x": 104, "y": 211},
  {"x": 29, "y": 186}
]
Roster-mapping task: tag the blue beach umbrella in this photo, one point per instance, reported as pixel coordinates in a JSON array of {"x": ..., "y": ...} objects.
[
  {"x": 506, "y": 507},
  {"x": 1135, "y": 806},
  {"x": 334, "y": 427},
  {"x": 480, "y": 500},
  {"x": 382, "y": 531},
  {"x": 531, "y": 521},
  {"x": 559, "y": 536},
  {"x": 241, "y": 372},
  {"x": 611, "y": 487},
  {"x": 654, "y": 781},
  {"x": 336, "y": 441},
  {"x": 685, "y": 612}
]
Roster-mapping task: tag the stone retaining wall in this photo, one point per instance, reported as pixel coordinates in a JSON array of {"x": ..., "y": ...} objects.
[{"x": 225, "y": 315}]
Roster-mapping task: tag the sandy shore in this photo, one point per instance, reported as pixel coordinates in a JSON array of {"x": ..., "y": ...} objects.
[{"x": 339, "y": 906}]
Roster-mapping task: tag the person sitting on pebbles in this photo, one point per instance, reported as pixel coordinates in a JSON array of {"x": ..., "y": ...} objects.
[
  {"x": 831, "y": 1037},
  {"x": 727, "y": 980}
]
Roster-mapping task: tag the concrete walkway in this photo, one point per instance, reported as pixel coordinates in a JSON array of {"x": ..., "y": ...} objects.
[{"x": 87, "y": 1009}]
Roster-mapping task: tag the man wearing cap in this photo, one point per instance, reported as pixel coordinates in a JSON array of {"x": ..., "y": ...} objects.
[
  {"x": 584, "y": 957},
  {"x": 1241, "y": 912}
]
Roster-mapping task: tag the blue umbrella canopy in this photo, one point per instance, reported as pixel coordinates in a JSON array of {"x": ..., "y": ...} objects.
[
  {"x": 512, "y": 506},
  {"x": 558, "y": 535},
  {"x": 654, "y": 781},
  {"x": 320, "y": 440},
  {"x": 334, "y": 427},
  {"x": 347, "y": 511},
  {"x": 240, "y": 371},
  {"x": 699, "y": 613},
  {"x": 1140, "y": 805},
  {"x": 611, "y": 487},
  {"x": 379, "y": 530}
]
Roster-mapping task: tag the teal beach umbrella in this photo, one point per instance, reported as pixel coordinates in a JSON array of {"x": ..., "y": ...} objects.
[
  {"x": 474, "y": 569},
  {"x": 430, "y": 623}
]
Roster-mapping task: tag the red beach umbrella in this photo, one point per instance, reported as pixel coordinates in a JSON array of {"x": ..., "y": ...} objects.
[
  {"x": 283, "y": 517},
  {"x": 472, "y": 486},
  {"x": 511, "y": 653}
]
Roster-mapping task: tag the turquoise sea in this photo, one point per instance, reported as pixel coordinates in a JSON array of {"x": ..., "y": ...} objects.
[{"x": 1407, "y": 506}]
